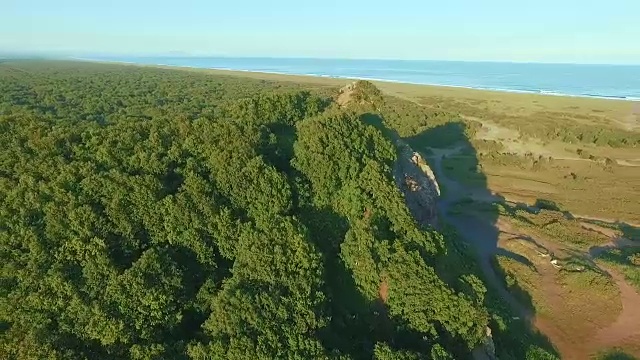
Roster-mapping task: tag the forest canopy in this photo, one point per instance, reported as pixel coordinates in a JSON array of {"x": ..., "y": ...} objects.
[{"x": 152, "y": 213}]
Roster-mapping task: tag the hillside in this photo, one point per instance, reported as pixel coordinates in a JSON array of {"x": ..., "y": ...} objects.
[{"x": 151, "y": 213}]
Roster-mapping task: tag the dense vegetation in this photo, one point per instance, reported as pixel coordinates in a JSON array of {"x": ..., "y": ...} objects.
[{"x": 149, "y": 213}]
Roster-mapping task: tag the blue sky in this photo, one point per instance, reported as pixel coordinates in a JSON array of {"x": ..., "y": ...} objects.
[{"x": 585, "y": 31}]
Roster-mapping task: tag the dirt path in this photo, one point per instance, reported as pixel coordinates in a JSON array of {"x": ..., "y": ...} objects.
[
  {"x": 483, "y": 235},
  {"x": 628, "y": 323},
  {"x": 608, "y": 232},
  {"x": 479, "y": 233},
  {"x": 603, "y": 220}
]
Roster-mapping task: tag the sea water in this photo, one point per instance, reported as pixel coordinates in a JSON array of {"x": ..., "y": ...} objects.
[{"x": 606, "y": 81}]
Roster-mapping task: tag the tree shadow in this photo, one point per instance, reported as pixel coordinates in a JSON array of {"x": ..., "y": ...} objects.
[
  {"x": 454, "y": 161},
  {"x": 442, "y": 145},
  {"x": 356, "y": 324},
  {"x": 615, "y": 354},
  {"x": 629, "y": 231}
]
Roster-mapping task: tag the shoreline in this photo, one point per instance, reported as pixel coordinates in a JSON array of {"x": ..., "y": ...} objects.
[{"x": 340, "y": 77}]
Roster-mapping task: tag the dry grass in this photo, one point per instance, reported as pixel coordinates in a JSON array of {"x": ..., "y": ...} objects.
[
  {"x": 570, "y": 307},
  {"x": 581, "y": 187}
]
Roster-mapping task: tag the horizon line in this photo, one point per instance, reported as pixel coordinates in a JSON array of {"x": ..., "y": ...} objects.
[{"x": 177, "y": 54}]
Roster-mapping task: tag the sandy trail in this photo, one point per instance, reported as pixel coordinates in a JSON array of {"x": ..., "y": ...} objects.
[
  {"x": 608, "y": 232},
  {"x": 480, "y": 233},
  {"x": 628, "y": 323}
]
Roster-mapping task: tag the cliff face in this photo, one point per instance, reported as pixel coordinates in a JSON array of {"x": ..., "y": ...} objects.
[
  {"x": 412, "y": 174},
  {"x": 421, "y": 191},
  {"x": 417, "y": 182}
]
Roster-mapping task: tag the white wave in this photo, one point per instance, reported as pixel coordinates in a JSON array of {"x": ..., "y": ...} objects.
[{"x": 354, "y": 77}]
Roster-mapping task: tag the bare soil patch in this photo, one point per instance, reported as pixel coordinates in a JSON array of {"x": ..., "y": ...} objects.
[
  {"x": 383, "y": 291},
  {"x": 570, "y": 308},
  {"x": 627, "y": 325}
]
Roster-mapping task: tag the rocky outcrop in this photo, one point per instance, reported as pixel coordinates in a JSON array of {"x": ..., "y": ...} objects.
[
  {"x": 345, "y": 94},
  {"x": 417, "y": 182},
  {"x": 359, "y": 92},
  {"x": 418, "y": 161},
  {"x": 487, "y": 350},
  {"x": 489, "y": 346}
]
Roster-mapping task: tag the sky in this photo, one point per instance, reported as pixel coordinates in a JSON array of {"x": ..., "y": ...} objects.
[{"x": 575, "y": 31}]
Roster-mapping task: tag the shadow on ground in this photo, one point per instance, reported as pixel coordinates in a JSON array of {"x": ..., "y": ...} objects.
[
  {"x": 615, "y": 354},
  {"x": 454, "y": 161}
]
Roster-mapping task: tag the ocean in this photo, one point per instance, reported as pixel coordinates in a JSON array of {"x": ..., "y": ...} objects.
[{"x": 602, "y": 81}]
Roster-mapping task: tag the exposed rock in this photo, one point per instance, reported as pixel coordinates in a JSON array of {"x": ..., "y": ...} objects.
[
  {"x": 359, "y": 92},
  {"x": 487, "y": 350},
  {"x": 418, "y": 184},
  {"x": 489, "y": 346},
  {"x": 420, "y": 163},
  {"x": 345, "y": 94}
]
